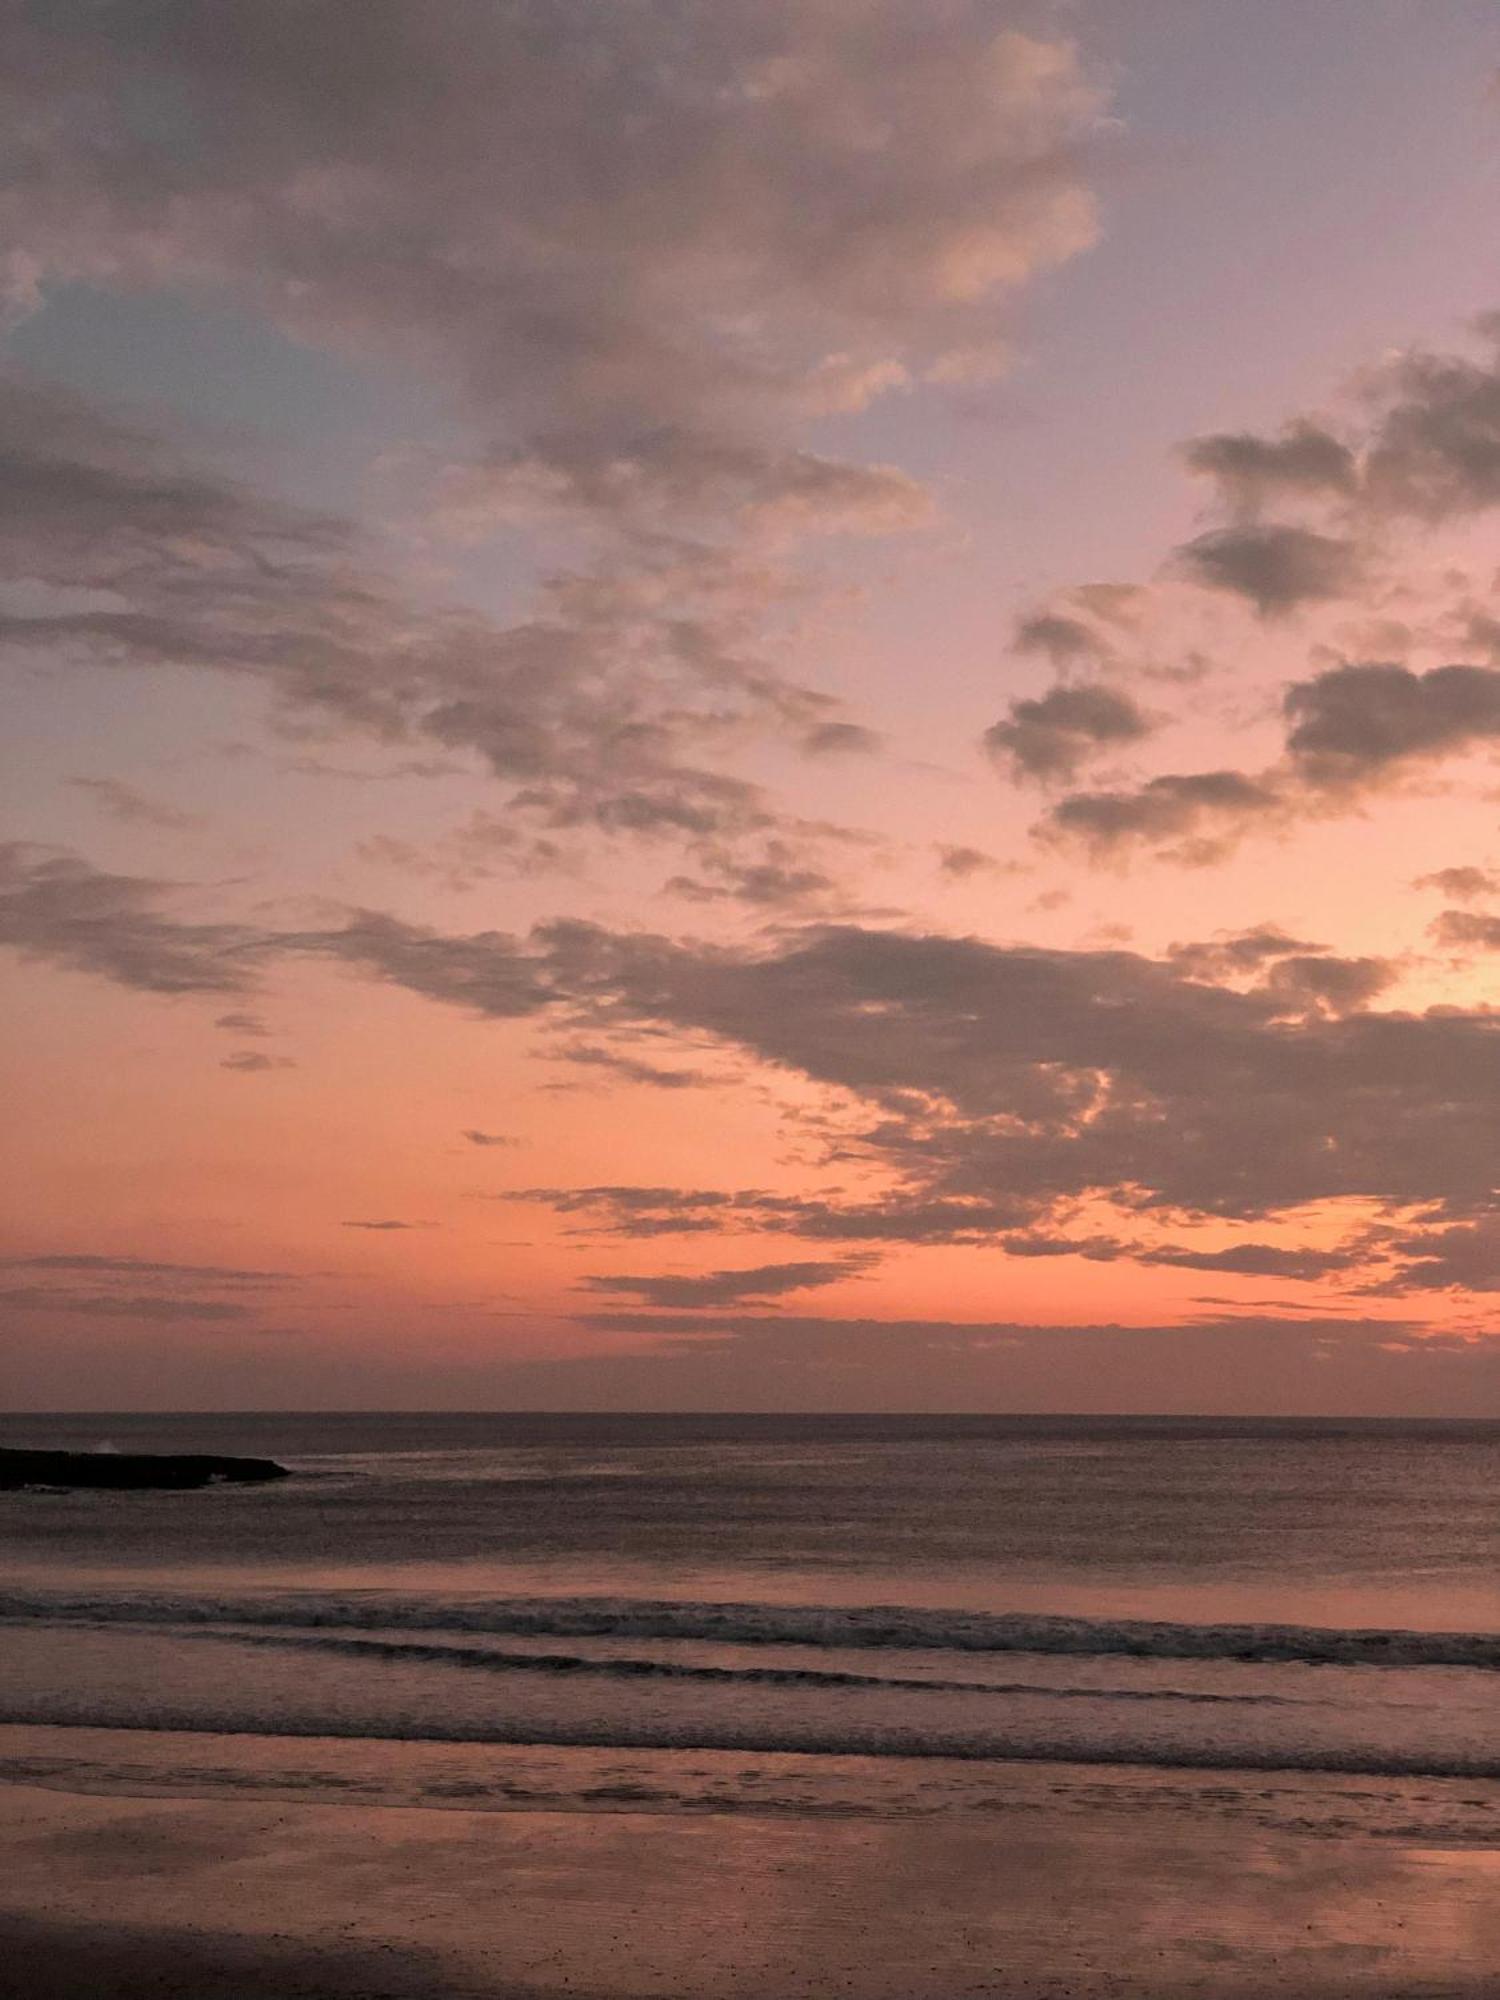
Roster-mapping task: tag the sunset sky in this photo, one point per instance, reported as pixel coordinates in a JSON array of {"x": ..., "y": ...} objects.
[{"x": 751, "y": 704}]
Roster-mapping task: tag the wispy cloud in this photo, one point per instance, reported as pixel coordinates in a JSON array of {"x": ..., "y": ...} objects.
[{"x": 727, "y": 1288}]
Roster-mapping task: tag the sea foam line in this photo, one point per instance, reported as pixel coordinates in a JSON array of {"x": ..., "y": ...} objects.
[{"x": 780, "y": 1736}]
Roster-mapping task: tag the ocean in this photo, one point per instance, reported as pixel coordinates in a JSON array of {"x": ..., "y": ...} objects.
[{"x": 792, "y": 1614}]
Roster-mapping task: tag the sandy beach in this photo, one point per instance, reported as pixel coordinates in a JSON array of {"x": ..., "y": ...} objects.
[{"x": 189, "y": 1898}]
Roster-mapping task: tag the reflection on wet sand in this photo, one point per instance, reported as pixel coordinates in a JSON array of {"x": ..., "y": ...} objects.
[{"x": 759, "y": 1908}]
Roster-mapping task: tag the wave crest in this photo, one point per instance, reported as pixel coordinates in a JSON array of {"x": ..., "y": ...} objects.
[{"x": 906, "y": 1628}]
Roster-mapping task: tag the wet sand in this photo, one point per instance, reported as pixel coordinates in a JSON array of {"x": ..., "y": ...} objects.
[{"x": 120, "y": 1897}]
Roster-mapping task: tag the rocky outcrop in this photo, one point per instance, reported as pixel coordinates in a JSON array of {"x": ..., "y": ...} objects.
[{"x": 128, "y": 1471}]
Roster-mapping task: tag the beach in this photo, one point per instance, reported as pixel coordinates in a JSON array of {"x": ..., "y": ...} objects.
[
  {"x": 771, "y": 1710},
  {"x": 1157, "y": 1892}
]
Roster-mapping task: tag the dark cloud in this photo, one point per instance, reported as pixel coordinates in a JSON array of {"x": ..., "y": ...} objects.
[
  {"x": 490, "y": 973},
  {"x": 251, "y": 1062},
  {"x": 1420, "y": 444},
  {"x": 1250, "y": 471},
  {"x": 1118, "y": 631},
  {"x": 637, "y": 1211},
  {"x": 1434, "y": 446},
  {"x": 1425, "y": 447},
  {"x": 992, "y": 1085},
  {"x": 240, "y": 1022},
  {"x": 1038, "y": 1243},
  {"x": 1355, "y": 722},
  {"x": 960, "y": 863},
  {"x": 910, "y": 1216},
  {"x": 385, "y": 1225},
  {"x": 1466, "y": 930},
  {"x": 647, "y": 1212},
  {"x": 1463, "y": 1256},
  {"x": 639, "y": 248},
  {"x": 1305, "y": 982},
  {"x": 1463, "y": 883},
  {"x": 1236, "y": 954},
  {"x": 85, "y": 494},
  {"x": 1066, "y": 641},
  {"x": 778, "y": 877},
  {"x": 999, "y": 1083},
  {"x": 1195, "y": 817},
  {"x": 630, "y": 1068},
  {"x": 727, "y": 1288},
  {"x": 143, "y": 1267},
  {"x": 476, "y": 1138},
  {"x": 1349, "y": 730},
  {"x": 1274, "y": 565},
  {"x": 663, "y": 175},
  {"x": 58, "y": 909},
  {"x": 1258, "y": 1260},
  {"x": 901, "y": 1218},
  {"x": 1051, "y": 737},
  {"x": 598, "y": 710}
]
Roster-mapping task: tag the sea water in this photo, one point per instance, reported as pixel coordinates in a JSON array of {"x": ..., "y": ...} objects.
[{"x": 785, "y": 1613}]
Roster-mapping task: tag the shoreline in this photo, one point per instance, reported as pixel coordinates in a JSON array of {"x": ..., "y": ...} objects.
[
  {"x": 441, "y": 1774},
  {"x": 1124, "y": 1889}
]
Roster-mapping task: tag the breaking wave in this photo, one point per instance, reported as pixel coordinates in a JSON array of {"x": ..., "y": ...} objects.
[
  {"x": 872, "y": 1627},
  {"x": 488, "y": 1659}
]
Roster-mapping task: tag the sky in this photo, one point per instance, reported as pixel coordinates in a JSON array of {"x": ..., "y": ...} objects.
[{"x": 762, "y": 707}]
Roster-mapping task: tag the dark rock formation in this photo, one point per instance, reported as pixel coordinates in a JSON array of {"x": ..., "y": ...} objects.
[{"x": 130, "y": 1470}]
